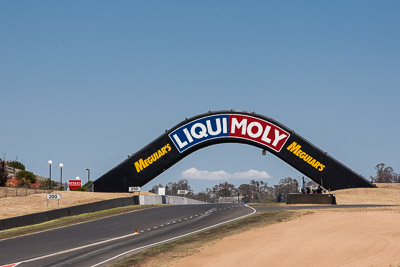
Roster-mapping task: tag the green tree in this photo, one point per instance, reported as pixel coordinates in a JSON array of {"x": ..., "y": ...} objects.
[
  {"x": 223, "y": 190},
  {"x": 86, "y": 184},
  {"x": 172, "y": 188},
  {"x": 285, "y": 186},
  {"x": 16, "y": 164},
  {"x": 246, "y": 191},
  {"x": 154, "y": 189},
  {"x": 256, "y": 191},
  {"x": 26, "y": 178},
  {"x": 44, "y": 185},
  {"x": 385, "y": 174},
  {"x": 204, "y": 196}
]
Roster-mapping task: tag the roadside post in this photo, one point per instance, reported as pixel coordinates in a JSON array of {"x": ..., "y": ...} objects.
[
  {"x": 54, "y": 196},
  {"x": 133, "y": 189}
]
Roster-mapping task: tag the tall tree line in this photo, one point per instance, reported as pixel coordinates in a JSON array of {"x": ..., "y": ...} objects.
[
  {"x": 254, "y": 192},
  {"x": 385, "y": 174}
]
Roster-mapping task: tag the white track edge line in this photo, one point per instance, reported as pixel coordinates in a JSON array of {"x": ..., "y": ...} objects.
[
  {"x": 177, "y": 237},
  {"x": 78, "y": 248},
  {"x": 121, "y": 237}
]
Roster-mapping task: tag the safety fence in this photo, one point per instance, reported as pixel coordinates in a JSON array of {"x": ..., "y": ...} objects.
[{"x": 20, "y": 191}]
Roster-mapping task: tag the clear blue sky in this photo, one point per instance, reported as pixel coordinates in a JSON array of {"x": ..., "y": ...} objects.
[{"x": 87, "y": 83}]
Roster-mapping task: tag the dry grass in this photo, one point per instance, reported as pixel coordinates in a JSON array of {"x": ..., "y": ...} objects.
[
  {"x": 384, "y": 194},
  {"x": 71, "y": 220},
  {"x": 19, "y": 192},
  {"x": 17, "y": 206}
]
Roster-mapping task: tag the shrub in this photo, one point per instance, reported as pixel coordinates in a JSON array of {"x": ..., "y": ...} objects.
[
  {"x": 87, "y": 183},
  {"x": 23, "y": 182},
  {"x": 83, "y": 188},
  {"x": 29, "y": 177},
  {"x": 16, "y": 164},
  {"x": 45, "y": 184},
  {"x": 269, "y": 199}
]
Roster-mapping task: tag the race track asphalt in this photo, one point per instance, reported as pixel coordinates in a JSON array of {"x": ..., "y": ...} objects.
[
  {"x": 100, "y": 242},
  {"x": 97, "y": 243}
]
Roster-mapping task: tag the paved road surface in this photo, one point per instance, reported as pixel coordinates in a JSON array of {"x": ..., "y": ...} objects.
[
  {"x": 91, "y": 243},
  {"x": 100, "y": 242}
]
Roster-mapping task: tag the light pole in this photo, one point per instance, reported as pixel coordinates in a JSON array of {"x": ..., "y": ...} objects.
[
  {"x": 61, "y": 167},
  {"x": 88, "y": 175},
  {"x": 50, "y": 163}
]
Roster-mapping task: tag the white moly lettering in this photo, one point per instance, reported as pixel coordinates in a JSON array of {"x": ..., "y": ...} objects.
[
  {"x": 278, "y": 137},
  {"x": 250, "y": 129},
  {"x": 265, "y": 135},
  {"x": 259, "y": 130},
  {"x": 236, "y": 124}
]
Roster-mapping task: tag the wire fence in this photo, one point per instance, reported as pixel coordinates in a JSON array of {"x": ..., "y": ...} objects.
[{"x": 20, "y": 191}]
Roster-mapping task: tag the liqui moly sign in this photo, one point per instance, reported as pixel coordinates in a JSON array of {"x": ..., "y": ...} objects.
[{"x": 229, "y": 126}]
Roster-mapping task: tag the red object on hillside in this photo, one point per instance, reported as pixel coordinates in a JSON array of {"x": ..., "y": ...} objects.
[
  {"x": 35, "y": 185},
  {"x": 74, "y": 184},
  {"x": 13, "y": 182}
]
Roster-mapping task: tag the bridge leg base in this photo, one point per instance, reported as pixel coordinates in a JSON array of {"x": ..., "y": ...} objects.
[{"x": 328, "y": 199}]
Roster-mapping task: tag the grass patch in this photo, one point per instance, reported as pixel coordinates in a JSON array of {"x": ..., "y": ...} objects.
[
  {"x": 66, "y": 221},
  {"x": 271, "y": 204},
  {"x": 395, "y": 209},
  {"x": 166, "y": 254}
]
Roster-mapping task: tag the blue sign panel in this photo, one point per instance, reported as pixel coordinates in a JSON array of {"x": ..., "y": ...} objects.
[{"x": 199, "y": 131}]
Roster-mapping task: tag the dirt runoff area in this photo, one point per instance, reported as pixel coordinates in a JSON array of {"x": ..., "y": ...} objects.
[{"x": 325, "y": 238}]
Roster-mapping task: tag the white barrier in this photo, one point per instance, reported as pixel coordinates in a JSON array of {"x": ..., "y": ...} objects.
[{"x": 170, "y": 200}]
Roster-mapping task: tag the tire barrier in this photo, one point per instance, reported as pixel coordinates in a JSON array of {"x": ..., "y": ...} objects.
[{"x": 228, "y": 127}]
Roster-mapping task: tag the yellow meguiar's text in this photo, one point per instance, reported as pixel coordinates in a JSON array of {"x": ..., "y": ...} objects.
[
  {"x": 296, "y": 150},
  {"x": 142, "y": 164}
]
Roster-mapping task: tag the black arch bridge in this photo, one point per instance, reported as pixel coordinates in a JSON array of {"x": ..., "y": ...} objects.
[{"x": 228, "y": 127}]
